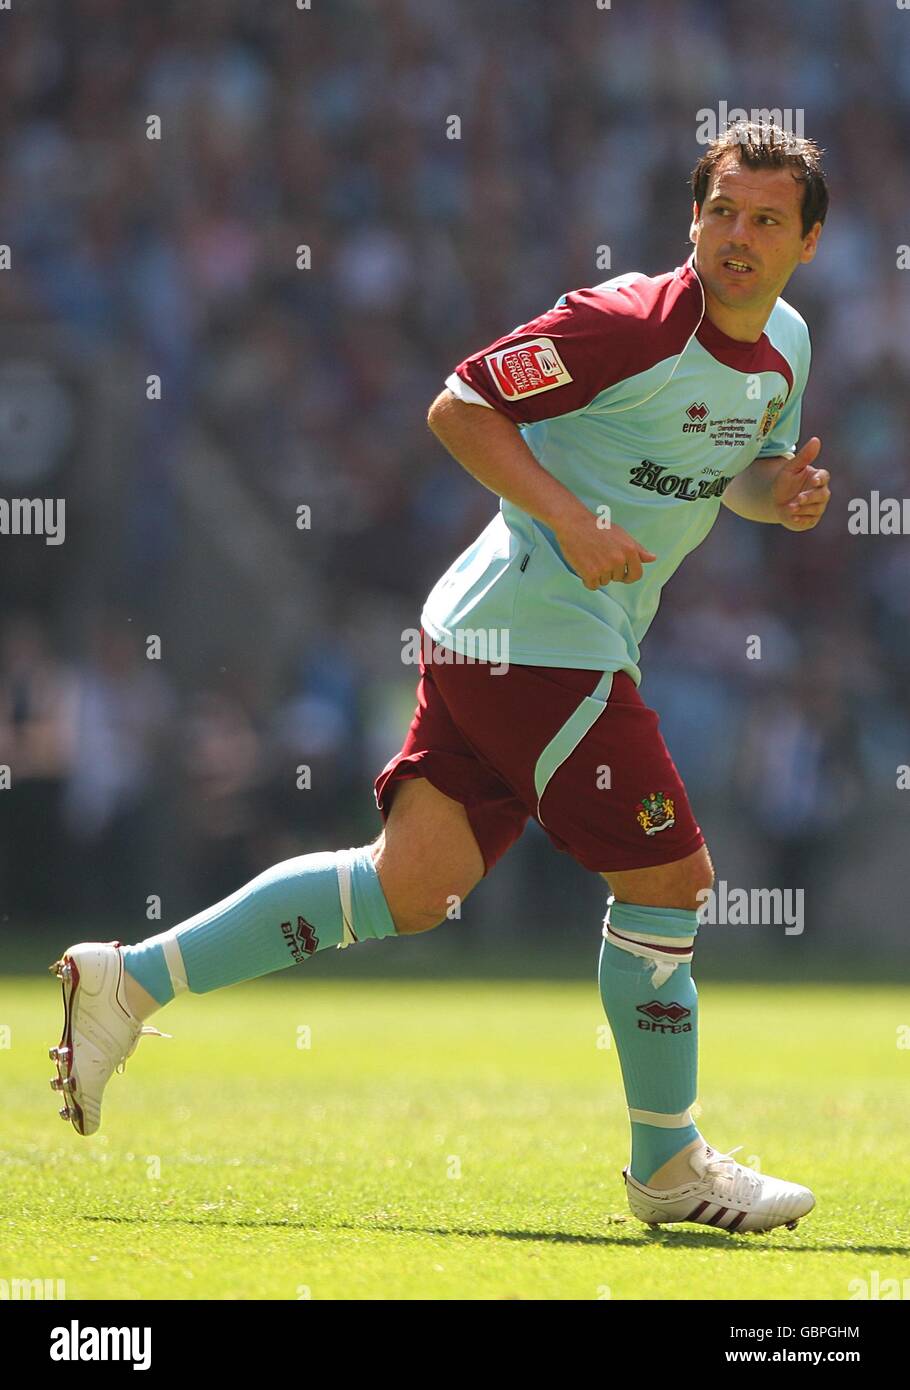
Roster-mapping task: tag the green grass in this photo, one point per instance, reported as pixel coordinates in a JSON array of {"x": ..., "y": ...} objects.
[{"x": 330, "y": 1169}]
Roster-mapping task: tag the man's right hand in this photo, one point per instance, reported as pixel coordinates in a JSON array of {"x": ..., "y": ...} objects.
[
  {"x": 601, "y": 554},
  {"x": 490, "y": 447}
]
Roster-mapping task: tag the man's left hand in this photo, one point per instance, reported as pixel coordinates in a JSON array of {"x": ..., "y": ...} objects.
[{"x": 800, "y": 492}]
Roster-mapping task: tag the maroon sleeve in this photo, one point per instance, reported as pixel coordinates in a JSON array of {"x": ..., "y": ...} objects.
[{"x": 559, "y": 361}]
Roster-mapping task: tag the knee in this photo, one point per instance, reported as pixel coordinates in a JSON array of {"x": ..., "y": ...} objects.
[
  {"x": 418, "y": 901},
  {"x": 411, "y": 920},
  {"x": 697, "y": 880},
  {"x": 427, "y": 858},
  {"x": 680, "y": 886},
  {"x": 419, "y": 909}
]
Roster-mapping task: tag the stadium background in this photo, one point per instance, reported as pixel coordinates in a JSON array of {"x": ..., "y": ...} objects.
[{"x": 283, "y": 387}]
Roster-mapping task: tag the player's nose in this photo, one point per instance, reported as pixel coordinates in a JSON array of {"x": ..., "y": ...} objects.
[{"x": 739, "y": 231}]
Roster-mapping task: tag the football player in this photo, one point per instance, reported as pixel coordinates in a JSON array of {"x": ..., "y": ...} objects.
[{"x": 612, "y": 427}]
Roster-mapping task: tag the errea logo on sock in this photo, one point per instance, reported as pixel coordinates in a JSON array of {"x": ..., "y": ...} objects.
[
  {"x": 302, "y": 942},
  {"x": 664, "y": 1018},
  {"x": 75, "y": 1343}
]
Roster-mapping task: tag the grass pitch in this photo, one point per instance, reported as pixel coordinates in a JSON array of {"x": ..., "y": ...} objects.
[{"x": 316, "y": 1138}]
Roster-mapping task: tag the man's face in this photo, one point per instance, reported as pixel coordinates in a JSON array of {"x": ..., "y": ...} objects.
[{"x": 751, "y": 218}]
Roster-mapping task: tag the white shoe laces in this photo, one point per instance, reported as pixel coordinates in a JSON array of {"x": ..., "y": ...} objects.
[
  {"x": 145, "y": 1031},
  {"x": 738, "y": 1184}
]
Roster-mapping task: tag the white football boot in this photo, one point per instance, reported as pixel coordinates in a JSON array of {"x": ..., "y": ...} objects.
[
  {"x": 722, "y": 1193},
  {"x": 99, "y": 1031}
]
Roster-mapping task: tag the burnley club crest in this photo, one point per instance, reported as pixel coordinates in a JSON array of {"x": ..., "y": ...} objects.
[
  {"x": 655, "y": 812},
  {"x": 770, "y": 417}
]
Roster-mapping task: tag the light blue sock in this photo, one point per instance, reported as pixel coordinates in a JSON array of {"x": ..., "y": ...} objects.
[
  {"x": 279, "y": 919},
  {"x": 655, "y": 1029}
]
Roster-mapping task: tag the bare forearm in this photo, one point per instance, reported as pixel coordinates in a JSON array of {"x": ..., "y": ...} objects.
[
  {"x": 491, "y": 449},
  {"x": 749, "y": 494}
]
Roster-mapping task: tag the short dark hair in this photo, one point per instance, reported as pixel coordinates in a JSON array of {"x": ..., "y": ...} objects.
[{"x": 768, "y": 147}]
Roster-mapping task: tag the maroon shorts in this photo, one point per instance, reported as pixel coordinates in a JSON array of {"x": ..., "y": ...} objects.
[{"x": 594, "y": 773}]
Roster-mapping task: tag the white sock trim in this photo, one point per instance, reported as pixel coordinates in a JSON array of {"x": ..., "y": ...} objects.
[
  {"x": 654, "y": 950},
  {"x": 173, "y": 958},
  {"x": 343, "y": 870},
  {"x": 657, "y": 943},
  {"x": 659, "y": 1120}
]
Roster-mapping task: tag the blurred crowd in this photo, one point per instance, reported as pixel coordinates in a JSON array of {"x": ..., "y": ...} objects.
[{"x": 284, "y": 128}]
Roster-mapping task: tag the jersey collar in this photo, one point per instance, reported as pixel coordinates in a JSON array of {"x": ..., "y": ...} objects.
[{"x": 719, "y": 344}]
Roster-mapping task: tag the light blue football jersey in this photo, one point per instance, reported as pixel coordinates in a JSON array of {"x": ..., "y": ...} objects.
[{"x": 633, "y": 399}]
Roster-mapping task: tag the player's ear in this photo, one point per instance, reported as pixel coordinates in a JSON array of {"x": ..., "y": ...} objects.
[
  {"x": 810, "y": 243},
  {"x": 693, "y": 229}
]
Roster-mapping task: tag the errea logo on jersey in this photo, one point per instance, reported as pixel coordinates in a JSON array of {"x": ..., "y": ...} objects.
[
  {"x": 698, "y": 414},
  {"x": 528, "y": 369}
]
